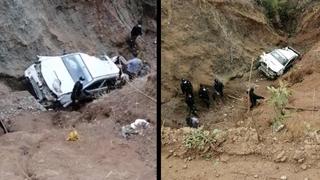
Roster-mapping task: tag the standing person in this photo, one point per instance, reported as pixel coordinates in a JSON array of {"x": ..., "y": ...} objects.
[
  {"x": 186, "y": 86},
  {"x": 204, "y": 95},
  {"x": 135, "y": 32},
  {"x": 190, "y": 103},
  {"x": 253, "y": 98},
  {"x": 218, "y": 87},
  {"x": 77, "y": 91}
]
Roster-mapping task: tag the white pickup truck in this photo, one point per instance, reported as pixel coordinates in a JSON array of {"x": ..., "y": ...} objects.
[{"x": 275, "y": 63}]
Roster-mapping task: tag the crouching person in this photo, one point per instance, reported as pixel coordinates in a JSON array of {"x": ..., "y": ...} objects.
[
  {"x": 137, "y": 127},
  {"x": 192, "y": 122}
]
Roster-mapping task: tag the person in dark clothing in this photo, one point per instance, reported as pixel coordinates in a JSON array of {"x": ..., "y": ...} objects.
[
  {"x": 192, "y": 121},
  {"x": 204, "y": 95},
  {"x": 186, "y": 87},
  {"x": 135, "y": 32},
  {"x": 253, "y": 98},
  {"x": 77, "y": 91},
  {"x": 190, "y": 103},
  {"x": 218, "y": 87}
]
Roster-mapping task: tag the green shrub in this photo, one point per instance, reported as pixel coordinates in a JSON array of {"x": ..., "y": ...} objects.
[
  {"x": 199, "y": 139},
  {"x": 279, "y": 100}
]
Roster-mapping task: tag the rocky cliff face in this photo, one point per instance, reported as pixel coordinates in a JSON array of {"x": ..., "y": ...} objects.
[{"x": 31, "y": 28}]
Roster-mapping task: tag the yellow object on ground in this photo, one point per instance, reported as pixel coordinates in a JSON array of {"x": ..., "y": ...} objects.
[{"x": 73, "y": 136}]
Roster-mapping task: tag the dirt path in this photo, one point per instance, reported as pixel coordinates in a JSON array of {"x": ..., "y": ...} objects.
[{"x": 232, "y": 168}]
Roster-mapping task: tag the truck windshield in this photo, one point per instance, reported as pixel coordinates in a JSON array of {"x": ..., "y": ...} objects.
[
  {"x": 280, "y": 58},
  {"x": 77, "y": 68}
]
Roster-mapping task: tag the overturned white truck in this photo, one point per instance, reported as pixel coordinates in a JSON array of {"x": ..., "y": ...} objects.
[
  {"x": 278, "y": 61},
  {"x": 52, "y": 77}
]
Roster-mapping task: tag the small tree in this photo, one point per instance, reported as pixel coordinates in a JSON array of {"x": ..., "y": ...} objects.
[{"x": 279, "y": 100}]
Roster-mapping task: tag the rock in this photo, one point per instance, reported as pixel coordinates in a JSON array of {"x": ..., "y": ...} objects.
[
  {"x": 306, "y": 179},
  {"x": 283, "y": 178},
  {"x": 304, "y": 166},
  {"x": 185, "y": 167},
  {"x": 239, "y": 123},
  {"x": 279, "y": 128},
  {"x": 217, "y": 175},
  {"x": 281, "y": 157},
  {"x": 298, "y": 156},
  {"x": 301, "y": 160},
  {"x": 170, "y": 166},
  {"x": 256, "y": 176}
]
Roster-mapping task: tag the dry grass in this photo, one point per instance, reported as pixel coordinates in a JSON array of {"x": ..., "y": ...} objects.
[
  {"x": 296, "y": 128},
  {"x": 296, "y": 76}
]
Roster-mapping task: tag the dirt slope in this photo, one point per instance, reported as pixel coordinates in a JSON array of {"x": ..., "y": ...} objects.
[
  {"x": 197, "y": 38},
  {"x": 248, "y": 148},
  {"x": 36, "y": 148}
]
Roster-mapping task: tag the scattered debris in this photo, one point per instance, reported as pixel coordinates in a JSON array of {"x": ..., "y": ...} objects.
[
  {"x": 73, "y": 136},
  {"x": 283, "y": 178}
]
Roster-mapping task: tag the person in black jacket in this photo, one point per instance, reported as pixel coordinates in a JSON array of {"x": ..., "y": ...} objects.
[
  {"x": 253, "y": 98},
  {"x": 204, "y": 95},
  {"x": 135, "y": 32},
  {"x": 218, "y": 87},
  {"x": 77, "y": 91},
  {"x": 190, "y": 103},
  {"x": 186, "y": 87}
]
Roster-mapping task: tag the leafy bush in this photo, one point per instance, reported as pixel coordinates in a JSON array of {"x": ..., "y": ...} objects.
[
  {"x": 279, "y": 100},
  {"x": 199, "y": 139}
]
